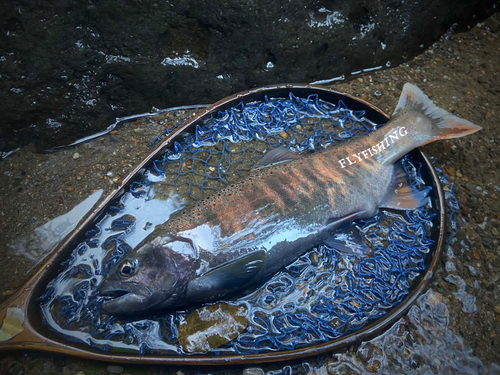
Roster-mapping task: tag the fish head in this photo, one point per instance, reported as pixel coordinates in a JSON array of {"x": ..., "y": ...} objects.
[{"x": 145, "y": 279}]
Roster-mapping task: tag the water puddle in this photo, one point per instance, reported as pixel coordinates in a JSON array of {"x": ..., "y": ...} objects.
[{"x": 45, "y": 238}]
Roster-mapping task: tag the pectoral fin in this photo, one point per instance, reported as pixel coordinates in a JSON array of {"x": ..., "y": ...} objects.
[
  {"x": 227, "y": 277},
  {"x": 400, "y": 194}
]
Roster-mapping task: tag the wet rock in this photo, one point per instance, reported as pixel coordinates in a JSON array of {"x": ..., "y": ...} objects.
[
  {"x": 211, "y": 326},
  {"x": 365, "y": 352},
  {"x": 450, "y": 266},
  {"x": 470, "y": 187},
  {"x": 115, "y": 369},
  {"x": 487, "y": 241},
  {"x": 124, "y": 58}
]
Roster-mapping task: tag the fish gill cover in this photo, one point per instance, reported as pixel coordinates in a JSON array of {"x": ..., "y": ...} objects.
[{"x": 323, "y": 295}]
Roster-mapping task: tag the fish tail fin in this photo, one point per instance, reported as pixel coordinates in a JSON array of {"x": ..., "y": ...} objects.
[{"x": 444, "y": 125}]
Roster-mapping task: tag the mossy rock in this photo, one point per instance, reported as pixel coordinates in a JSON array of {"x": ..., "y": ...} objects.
[{"x": 210, "y": 327}]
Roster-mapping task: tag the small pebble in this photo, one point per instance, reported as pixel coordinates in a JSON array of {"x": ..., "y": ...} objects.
[
  {"x": 494, "y": 231},
  {"x": 314, "y": 257},
  {"x": 70, "y": 189},
  {"x": 253, "y": 371},
  {"x": 473, "y": 271},
  {"x": 76, "y": 155},
  {"x": 497, "y": 309},
  {"x": 450, "y": 267},
  {"x": 117, "y": 180},
  {"x": 115, "y": 369},
  {"x": 476, "y": 254}
]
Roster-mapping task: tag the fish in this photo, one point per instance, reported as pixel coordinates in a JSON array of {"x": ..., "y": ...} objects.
[{"x": 232, "y": 241}]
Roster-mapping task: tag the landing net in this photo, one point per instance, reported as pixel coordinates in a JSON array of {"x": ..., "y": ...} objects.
[{"x": 321, "y": 296}]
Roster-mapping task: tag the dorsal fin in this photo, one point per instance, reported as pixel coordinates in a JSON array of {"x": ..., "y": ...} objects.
[{"x": 275, "y": 156}]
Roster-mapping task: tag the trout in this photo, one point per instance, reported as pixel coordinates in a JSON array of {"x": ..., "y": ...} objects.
[{"x": 240, "y": 236}]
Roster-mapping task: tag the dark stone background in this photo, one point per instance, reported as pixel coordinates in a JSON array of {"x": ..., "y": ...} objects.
[{"x": 69, "y": 68}]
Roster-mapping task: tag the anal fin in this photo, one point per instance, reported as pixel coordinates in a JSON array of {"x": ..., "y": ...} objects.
[
  {"x": 344, "y": 237},
  {"x": 400, "y": 194},
  {"x": 347, "y": 240}
]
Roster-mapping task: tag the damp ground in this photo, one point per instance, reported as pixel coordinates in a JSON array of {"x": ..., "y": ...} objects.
[{"x": 460, "y": 73}]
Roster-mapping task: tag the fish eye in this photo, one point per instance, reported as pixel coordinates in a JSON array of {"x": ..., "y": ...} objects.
[{"x": 127, "y": 269}]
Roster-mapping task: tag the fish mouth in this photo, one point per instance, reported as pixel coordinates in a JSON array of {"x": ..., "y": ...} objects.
[
  {"x": 116, "y": 293},
  {"x": 112, "y": 293}
]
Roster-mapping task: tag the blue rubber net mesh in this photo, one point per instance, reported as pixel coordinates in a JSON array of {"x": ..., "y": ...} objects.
[{"x": 323, "y": 295}]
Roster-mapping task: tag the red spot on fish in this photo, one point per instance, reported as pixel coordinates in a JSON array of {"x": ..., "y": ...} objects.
[
  {"x": 324, "y": 181},
  {"x": 333, "y": 153},
  {"x": 229, "y": 195},
  {"x": 345, "y": 148},
  {"x": 284, "y": 172},
  {"x": 178, "y": 226},
  {"x": 292, "y": 196},
  {"x": 296, "y": 172},
  {"x": 343, "y": 191},
  {"x": 271, "y": 172},
  {"x": 187, "y": 224},
  {"x": 335, "y": 176},
  {"x": 214, "y": 204},
  {"x": 219, "y": 201},
  {"x": 357, "y": 144},
  {"x": 301, "y": 163},
  {"x": 320, "y": 159},
  {"x": 251, "y": 237},
  {"x": 239, "y": 199},
  {"x": 389, "y": 128},
  {"x": 332, "y": 203},
  {"x": 311, "y": 188},
  {"x": 366, "y": 139},
  {"x": 178, "y": 218}
]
